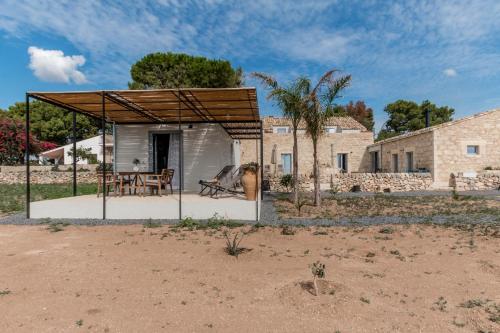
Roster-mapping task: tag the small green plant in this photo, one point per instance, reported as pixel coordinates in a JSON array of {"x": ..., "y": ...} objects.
[
  {"x": 57, "y": 226},
  {"x": 79, "y": 322},
  {"x": 318, "y": 271},
  {"x": 386, "y": 230},
  {"x": 188, "y": 223},
  {"x": 151, "y": 224},
  {"x": 4, "y": 292},
  {"x": 233, "y": 243},
  {"x": 364, "y": 300},
  {"x": 287, "y": 230}
]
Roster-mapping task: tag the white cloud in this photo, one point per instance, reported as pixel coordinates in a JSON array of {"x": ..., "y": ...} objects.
[
  {"x": 54, "y": 66},
  {"x": 450, "y": 72}
]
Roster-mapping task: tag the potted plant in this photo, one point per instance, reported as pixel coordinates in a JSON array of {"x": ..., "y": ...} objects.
[
  {"x": 249, "y": 180},
  {"x": 136, "y": 163}
]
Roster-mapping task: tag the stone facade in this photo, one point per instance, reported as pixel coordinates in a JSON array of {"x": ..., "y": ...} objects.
[
  {"x": 443, "y": 149},
  {"x": 485, "y": 180},
  {"x": 349, "y": 137},
  {"x": 368, "y": 182}
]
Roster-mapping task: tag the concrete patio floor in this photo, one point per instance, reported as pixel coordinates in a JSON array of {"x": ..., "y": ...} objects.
[{"x": 154, "y": 207}]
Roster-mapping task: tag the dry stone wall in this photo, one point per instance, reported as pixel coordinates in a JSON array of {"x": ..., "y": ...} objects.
[
  {"x": 367, "y": 182},
  {"x": 484, "y": 180},
  {"x": 45, "y": 175}
]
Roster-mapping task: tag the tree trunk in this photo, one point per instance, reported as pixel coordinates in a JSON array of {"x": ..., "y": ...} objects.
[
  {"x": 316, "y": 291},
  {"x": 295, "y": 168},
  {"x": 317, "y": 194}
]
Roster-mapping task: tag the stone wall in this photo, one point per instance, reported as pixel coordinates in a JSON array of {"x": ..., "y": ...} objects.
[
  {"x": 44, "y": 175},
  {"x": 484, "y": 180},
  {"x": 368, "y": 182}
]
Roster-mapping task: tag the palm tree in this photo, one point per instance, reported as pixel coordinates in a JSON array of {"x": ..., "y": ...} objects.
[
  {"x": 291, "y": 101},
  {"x": 319, "y": 107}
]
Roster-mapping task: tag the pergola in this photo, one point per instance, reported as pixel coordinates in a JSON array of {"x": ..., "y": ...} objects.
[{"x": 234, "y": 109}]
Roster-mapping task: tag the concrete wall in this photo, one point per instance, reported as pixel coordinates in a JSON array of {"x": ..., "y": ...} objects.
[
  {"x": 206, "y": 147},
  {"x": 452, "y": 141},
  {"x": 331, "y": 144}
]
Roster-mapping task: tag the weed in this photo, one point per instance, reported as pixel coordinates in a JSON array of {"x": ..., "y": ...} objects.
[
  {"x": 472, "y": 303},
  {"x": 4, "y": 292},
  {"x": 287, "y": 230},
  {"x": 57, "y": 226},
  {"x": 441, "y": 304},
  {"x": 151, "y": 224},
  {"x": 188, "y": 223},
  {"x": 364, "y": 300},
  {"x": 79, "y": 322},
  {"x": 386, "y": 230}
]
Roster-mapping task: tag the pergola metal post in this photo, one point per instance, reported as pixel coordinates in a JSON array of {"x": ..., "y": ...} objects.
[
  {"x": 103, "y": 127},
  {"x": 180, "y": 154},
  {"x": 257, "y": 178},
  {"x": 261, "y": 161},
  {"x": 74, "y": 153},
  {"x": 27, "y": 156}
]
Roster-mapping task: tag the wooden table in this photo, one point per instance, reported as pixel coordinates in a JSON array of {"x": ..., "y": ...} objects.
[{"x": 134, "y": 179}]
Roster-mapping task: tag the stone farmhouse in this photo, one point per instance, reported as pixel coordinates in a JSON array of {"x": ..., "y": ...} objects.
[
  {"x": 454, "y": 154},
  {"x": 463, "y": 147},
  {"x": 342, "y": 148}
]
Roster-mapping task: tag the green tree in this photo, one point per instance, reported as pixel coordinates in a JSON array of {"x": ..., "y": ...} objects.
[
  {"x": 172, "y": 70},
  {"x": 320, "y": 106},
  {"x": 53, "y": 124},
  {"x": 290, "y": 99},
  {"x": 408, "y": 116}
]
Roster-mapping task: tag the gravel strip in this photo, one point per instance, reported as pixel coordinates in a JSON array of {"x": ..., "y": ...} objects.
[{"x": 269, "y": 216}]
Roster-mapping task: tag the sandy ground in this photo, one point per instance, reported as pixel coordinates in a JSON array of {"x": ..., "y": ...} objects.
[{"x": 131, "y": 279}]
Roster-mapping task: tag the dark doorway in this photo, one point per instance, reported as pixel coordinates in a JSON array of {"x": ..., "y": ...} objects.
[{"x": 160, "y": 143}]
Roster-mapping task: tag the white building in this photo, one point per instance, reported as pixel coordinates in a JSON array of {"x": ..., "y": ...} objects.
[{"x": 60, "y": 155}]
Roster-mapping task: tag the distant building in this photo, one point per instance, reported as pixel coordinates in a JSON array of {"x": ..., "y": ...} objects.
[
  {"x": 466, "y": 145},
  {"x": 60, "y": 155},
  {"x": 342, "y": 148}
]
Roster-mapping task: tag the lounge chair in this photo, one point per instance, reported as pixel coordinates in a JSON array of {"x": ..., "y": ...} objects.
[{"x": 217, "y": 185}]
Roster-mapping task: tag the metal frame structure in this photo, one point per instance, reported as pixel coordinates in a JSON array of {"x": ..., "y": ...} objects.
[{"x": 116, "y": 106}]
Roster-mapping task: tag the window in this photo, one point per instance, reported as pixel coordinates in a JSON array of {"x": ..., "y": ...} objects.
[
  {"x": 331, "y": 129},
  {"x": 342, "y": 162},
  {"x": 395, "y": 163},
  {"x": 281, "y": 129},
  {"x": 409, "y": 161},
  {"x": 286, "y": 162},
  {"x": 472, "y": 150}
]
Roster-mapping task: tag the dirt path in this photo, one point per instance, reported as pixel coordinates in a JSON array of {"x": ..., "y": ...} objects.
[{"x": 131, "y": 279}]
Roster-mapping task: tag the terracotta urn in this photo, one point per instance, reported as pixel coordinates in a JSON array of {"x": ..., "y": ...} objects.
[{"x": 249, "y": 182}]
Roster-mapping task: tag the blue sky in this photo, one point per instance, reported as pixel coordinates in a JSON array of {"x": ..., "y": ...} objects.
[{"x": 444, "y": 51}]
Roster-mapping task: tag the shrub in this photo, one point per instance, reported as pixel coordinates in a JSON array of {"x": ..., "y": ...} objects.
[
  {"x": 287, "y": 182},
  {"x": 287, "y": 230}
]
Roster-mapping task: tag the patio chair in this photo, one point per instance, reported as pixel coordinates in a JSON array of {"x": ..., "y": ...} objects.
[
  {"x": 216, "y": 187},
  {"x": 111, "y": 181},
  {"x": 156, "y": 182}
]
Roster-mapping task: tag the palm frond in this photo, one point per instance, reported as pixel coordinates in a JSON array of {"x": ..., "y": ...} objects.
[{"x": 265, "y": 79}]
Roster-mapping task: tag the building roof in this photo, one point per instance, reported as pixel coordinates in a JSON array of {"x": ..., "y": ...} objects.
[
  {"x": 435, "y": 127},
  {"x": 342, "y": 122},
  {"x": 234, "y": 108}
]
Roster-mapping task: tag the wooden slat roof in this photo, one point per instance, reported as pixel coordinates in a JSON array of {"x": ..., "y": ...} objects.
[{"x": 235, "y": 109}]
